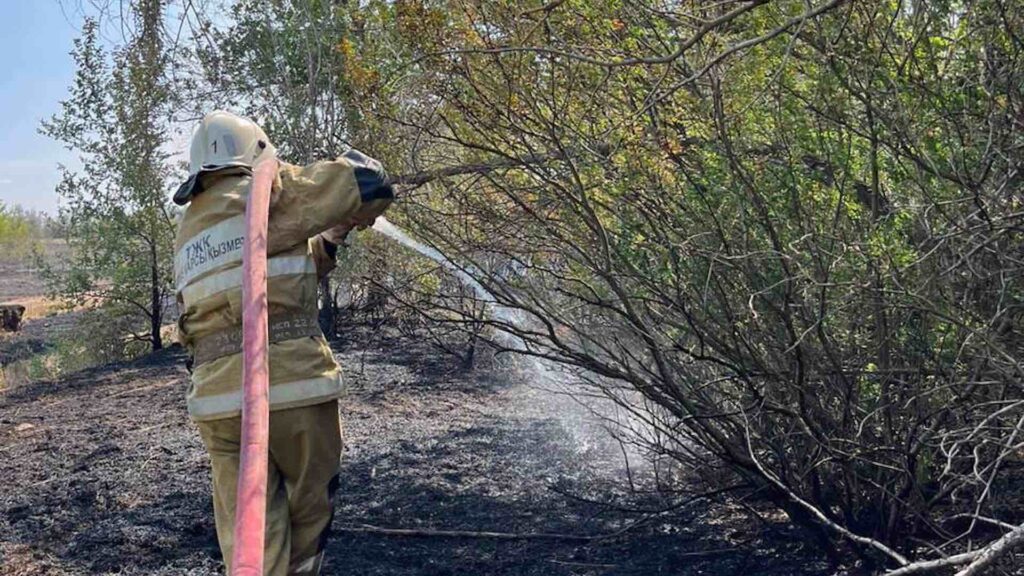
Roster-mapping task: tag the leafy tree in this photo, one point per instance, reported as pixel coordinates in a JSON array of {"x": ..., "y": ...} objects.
[
  {"x": 16, "y": 230},
  {"x": 280, "y": 64},
  {"x": 115, "y": 211}
]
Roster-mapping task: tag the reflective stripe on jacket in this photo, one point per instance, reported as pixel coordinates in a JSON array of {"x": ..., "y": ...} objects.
[{"x": 208, "y": 275}]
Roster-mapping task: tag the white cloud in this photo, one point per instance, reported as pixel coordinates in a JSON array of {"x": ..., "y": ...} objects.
[{"x": 6, "y": 181}]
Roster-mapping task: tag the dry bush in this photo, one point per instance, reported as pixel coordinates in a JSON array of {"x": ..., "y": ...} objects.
[{"x": 807, "y": 257}]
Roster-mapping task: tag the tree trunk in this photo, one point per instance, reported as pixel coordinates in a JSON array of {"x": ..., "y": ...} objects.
[
  {"x": 327, "y": 310},
  {"x": 156, "y": 305}
]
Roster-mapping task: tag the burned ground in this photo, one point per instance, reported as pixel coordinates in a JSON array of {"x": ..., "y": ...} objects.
[{"x": 103, "y": 474}]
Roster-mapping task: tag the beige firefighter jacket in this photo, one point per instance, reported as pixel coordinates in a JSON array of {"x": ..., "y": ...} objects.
[{"x": 305, "y": 201}]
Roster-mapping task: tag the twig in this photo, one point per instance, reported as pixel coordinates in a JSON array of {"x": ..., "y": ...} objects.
[
  {"x": 425, "y": 176},
  {"x": 931, "y": 565},
  {"x": 545, "y": 8},
  {"x": 988, "y": 555},
  {"x": 431, "y": 533},
  {"x": 144, "y": 388},
  {"x": 696, "y": 553},
  {"x": 681, "y": 49},
  {"x": 818, "y": 514},
  {"x": 984, "y": 520},
  {"x": 583, "y": 564},
  {"x": 670, "y": 508},
  {"x": 148, "y": 428}
]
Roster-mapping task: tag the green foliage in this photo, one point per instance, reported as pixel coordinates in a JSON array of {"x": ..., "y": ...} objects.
[
  {"x": 294, "y": 47},
  {"x": 115, "y": 211},
  {"x": 803, "y": 234},
  {"x": 13, "y": 226},
  {"x": 20, "y": 231}
]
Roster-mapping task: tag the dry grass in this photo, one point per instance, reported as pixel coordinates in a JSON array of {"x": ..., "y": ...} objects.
[{"x": 36, "y": 306}]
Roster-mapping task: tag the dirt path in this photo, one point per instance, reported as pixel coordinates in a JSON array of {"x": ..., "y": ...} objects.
[{"x": 103, "y": 474}]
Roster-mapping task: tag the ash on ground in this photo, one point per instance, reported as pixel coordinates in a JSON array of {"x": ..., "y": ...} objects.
[{"x": 104, "y": 474}]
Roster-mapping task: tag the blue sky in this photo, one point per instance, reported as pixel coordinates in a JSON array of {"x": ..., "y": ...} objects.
[{"x": 35, "y": 39}]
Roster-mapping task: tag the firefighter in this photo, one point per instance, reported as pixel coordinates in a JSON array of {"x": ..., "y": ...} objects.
[{"x": 311, "y": 209}]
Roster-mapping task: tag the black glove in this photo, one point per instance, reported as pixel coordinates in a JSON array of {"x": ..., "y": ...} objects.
[{"x": 371, "y": 177}]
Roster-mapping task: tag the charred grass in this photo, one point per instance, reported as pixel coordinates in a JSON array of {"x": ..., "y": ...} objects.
[{"x": 103, "y": 474}]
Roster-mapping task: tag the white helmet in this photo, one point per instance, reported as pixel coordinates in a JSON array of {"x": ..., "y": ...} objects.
[{"x": 221, "y": 141}]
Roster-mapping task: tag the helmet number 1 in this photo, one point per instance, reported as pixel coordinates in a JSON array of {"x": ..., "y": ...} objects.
[{"x": 214, "y": 146}]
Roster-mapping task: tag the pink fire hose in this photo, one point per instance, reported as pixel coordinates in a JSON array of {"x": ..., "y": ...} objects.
[{"x": 251, "y": 508}]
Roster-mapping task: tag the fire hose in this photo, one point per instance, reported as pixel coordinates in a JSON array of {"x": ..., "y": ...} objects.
[{"x": 251, "y": 510}]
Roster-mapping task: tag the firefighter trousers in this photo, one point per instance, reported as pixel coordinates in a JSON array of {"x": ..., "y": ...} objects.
[{"x": 305, "y": 450}]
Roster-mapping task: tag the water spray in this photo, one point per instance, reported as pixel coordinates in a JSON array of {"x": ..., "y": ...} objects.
[{"x": 577, "y": 418}]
